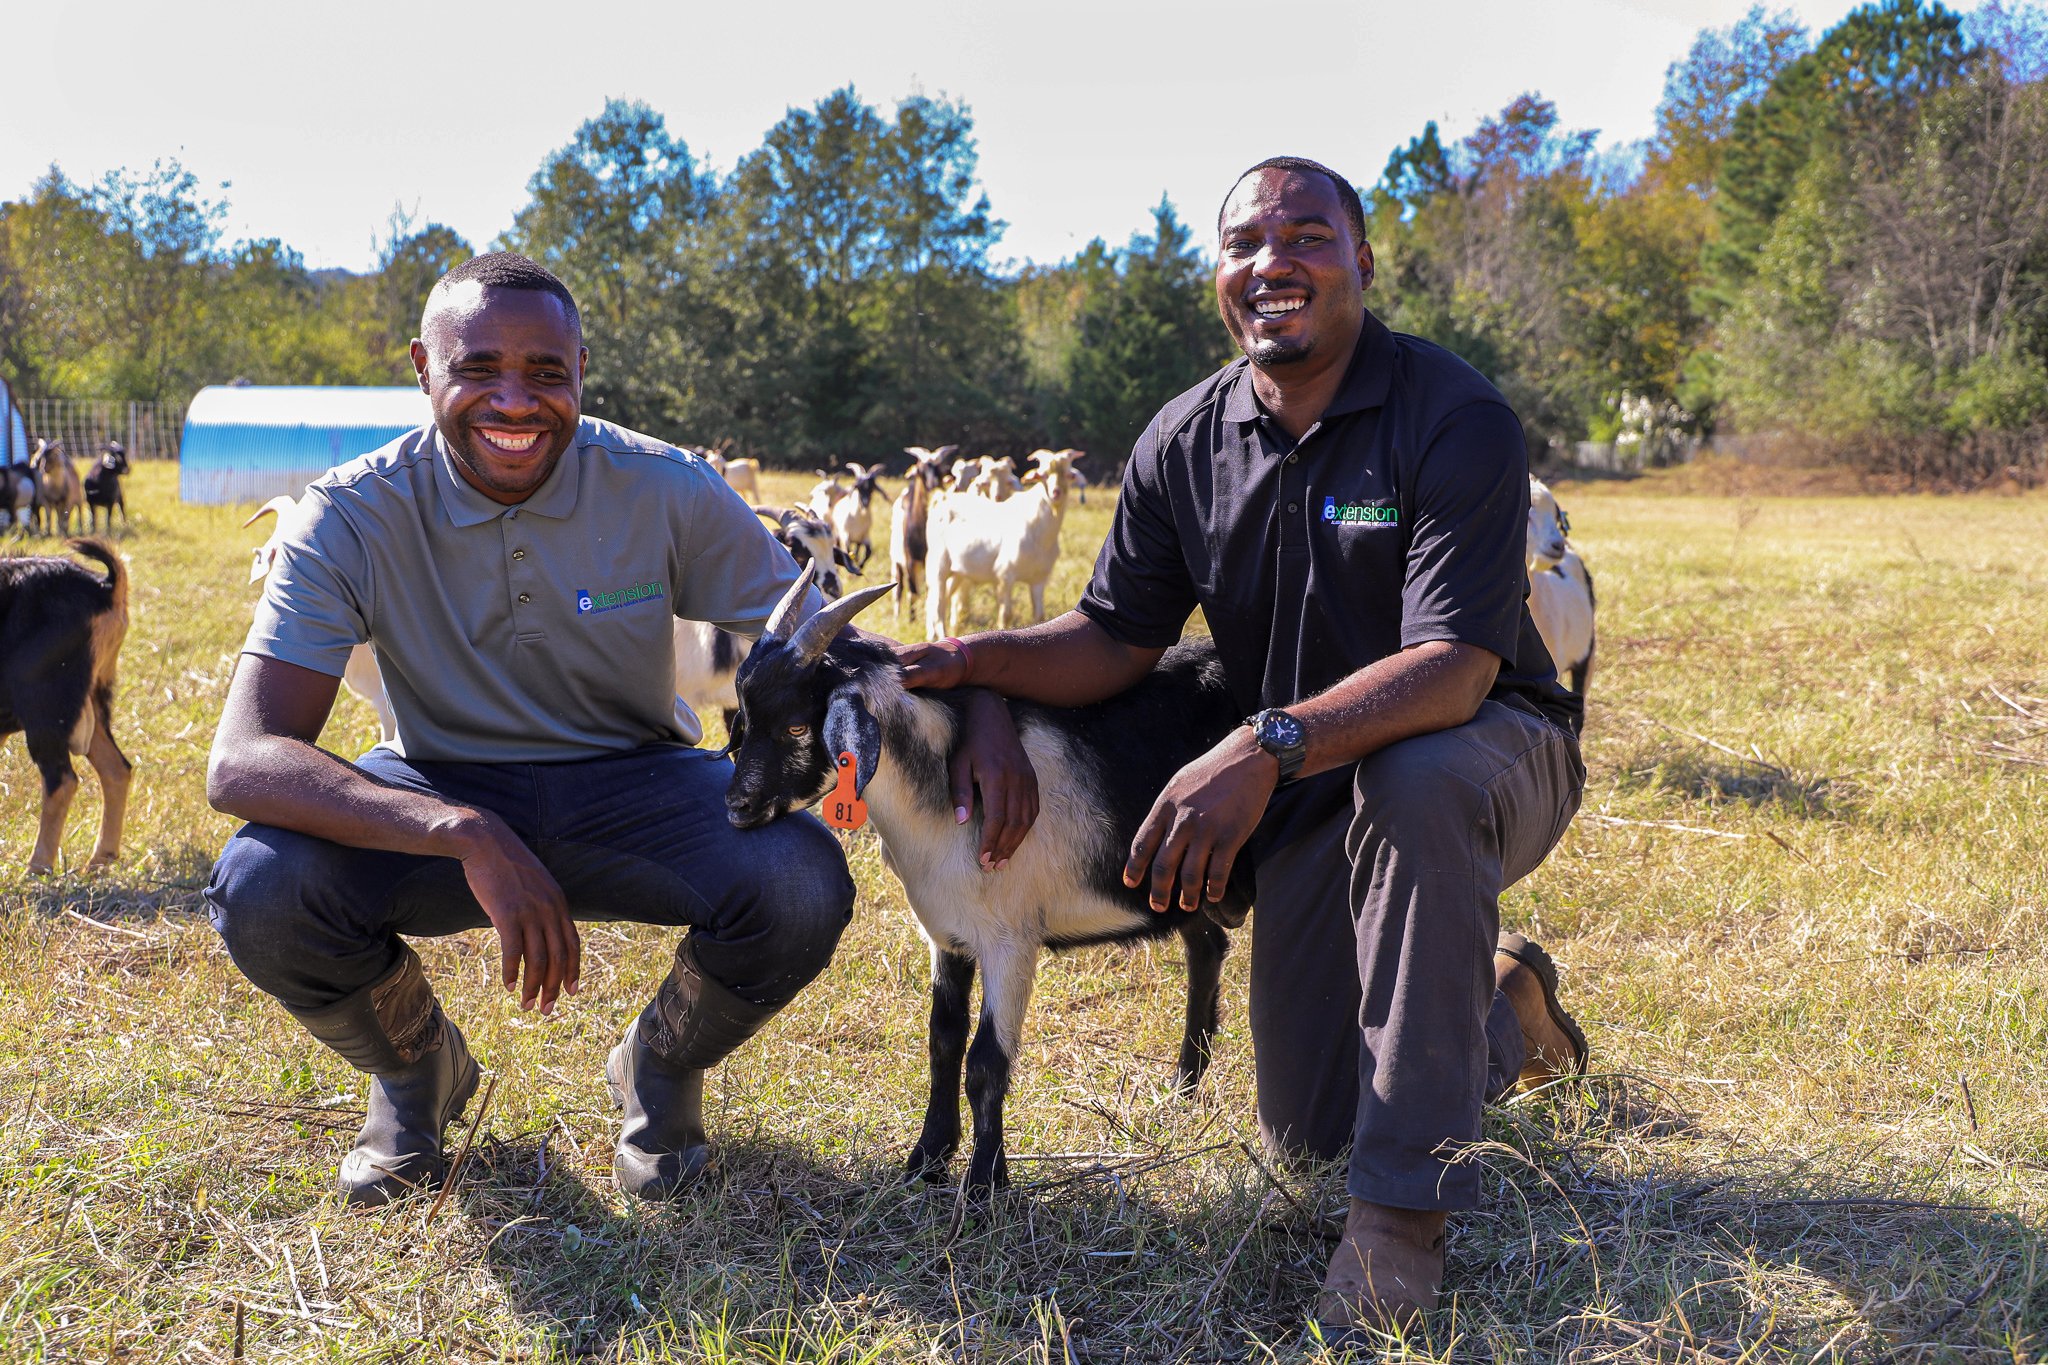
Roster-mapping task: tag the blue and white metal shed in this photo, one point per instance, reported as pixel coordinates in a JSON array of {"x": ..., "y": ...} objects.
[{"x": 248, "y": 443}]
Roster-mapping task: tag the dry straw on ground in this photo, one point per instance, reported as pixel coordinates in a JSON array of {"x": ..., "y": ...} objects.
[{"x": 1800, "y": 917}]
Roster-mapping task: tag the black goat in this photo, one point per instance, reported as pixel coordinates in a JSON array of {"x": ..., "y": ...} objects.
[
  {"x": 807, "y": 698},
  {"x": 61, "y": 628},
  {"x": 103, "y": 487}
]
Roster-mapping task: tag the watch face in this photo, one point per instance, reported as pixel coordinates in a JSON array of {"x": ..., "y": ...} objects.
[{"x": 1277, "y": 727}]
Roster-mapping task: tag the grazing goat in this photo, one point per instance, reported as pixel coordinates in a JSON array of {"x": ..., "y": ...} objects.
[
  {"x": 853, "y": 519},
  {"x": 1560, "y": 588},
  {"x": 103, "y": 487},
  {"x": 1005, "y": 543},
  {"x": 62, "y": 493},
  {"x": 907, "y": 519},
  {"x": 362, "y": 674},
  {"x": 61, "y": 627},
  {"x": 20, "y": 494},
  {"x": 707, "y": 657},
  {"x": 807, "y": 698}
]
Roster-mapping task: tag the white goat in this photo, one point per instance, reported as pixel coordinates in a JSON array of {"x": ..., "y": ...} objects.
[
  {"x": 1017, "y": 540},
  {"x": 1560, "y": 588},
  {"x": 362, "y": 675},
  {"x": 853, "y": 518},
  {"x": 743, "y": 477}
]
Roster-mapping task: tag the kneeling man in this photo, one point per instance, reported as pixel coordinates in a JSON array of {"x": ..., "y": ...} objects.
[
  {"x": 1347, "y": 506},
  {"x": 517, "y": 567}
]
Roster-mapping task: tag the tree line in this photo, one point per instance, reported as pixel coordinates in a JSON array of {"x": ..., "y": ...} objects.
[{"x": 1841, "y": 240}]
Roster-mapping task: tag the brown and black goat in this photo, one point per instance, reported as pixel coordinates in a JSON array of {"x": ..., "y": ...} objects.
[
  {"x": 61, "y": 627},
  {"x": 808, "y": 696},
  {"x": 907, "y": 520}
]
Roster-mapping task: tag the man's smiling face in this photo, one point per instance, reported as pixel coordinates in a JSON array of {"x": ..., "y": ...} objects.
[
  {"x": 504, "y": 368},
  {"x": 1290, "y": 280}
]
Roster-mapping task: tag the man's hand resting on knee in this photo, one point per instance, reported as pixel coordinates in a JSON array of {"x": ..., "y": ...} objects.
[{"x": 266, "y": 767}]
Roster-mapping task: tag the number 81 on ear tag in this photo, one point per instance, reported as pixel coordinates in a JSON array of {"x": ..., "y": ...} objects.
[{"x": 843, "y": 809}]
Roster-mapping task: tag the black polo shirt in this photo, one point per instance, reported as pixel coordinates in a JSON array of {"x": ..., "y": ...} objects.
[{"x": 1399, "y": 518}]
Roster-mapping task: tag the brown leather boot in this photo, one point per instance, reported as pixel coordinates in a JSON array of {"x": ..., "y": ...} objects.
[
  {"x": 1553, "y": 1042},
  {"x": 1386, "y": 1272}
]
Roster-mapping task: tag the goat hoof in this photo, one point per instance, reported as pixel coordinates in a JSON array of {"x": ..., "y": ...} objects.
[{"x": 926, "y": 1166}]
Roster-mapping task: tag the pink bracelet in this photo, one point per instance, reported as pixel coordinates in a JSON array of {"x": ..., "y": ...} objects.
[{"x": 964, "y": 649}]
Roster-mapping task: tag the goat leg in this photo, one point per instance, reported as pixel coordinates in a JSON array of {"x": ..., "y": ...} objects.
[
  {"x": 114, "y": 771},
  {"x": 988, "y": 1085},
  {"x": 1207, "y": 944},
  {"x": 51, "y": 751},
  {"x": 952, "y": 979}
]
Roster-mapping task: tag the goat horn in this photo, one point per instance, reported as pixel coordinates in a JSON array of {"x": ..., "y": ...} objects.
[
  {"x": 780, "y": 515},
  {"x": 783, "y": 620},
  {"x": 279, "y": 504},
  {"x": 815, "y": 636}
]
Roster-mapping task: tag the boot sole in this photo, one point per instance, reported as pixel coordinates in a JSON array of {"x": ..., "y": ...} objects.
[{"x": 1530, "y": 954}]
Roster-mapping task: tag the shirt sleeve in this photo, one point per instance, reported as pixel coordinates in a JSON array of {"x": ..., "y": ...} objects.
[
  {"x": 737, "y": 571},
  {"x": 316, "y": 603},
  {"x": 1141, "y": 592},
  {"x": 1467, "y": 559}
]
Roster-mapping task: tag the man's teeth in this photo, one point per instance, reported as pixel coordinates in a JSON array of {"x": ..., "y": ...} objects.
[
  {"x": 1273, "y": 308},
  {"x": 505, "y": 440}
]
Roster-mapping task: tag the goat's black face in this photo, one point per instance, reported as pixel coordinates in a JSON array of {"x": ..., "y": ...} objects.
[{"x": 781, "y": 763}]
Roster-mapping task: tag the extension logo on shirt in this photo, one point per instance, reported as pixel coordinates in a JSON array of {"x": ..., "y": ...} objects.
[
  {"x": 588, "y": 601},
  {"x": 1360, "y": 513}
]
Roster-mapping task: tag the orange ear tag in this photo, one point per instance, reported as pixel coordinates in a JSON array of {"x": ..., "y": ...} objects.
[{"x": 843, "y": 809}]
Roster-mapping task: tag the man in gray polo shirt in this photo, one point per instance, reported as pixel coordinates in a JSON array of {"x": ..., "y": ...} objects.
[{"x": 517, "y": 566}]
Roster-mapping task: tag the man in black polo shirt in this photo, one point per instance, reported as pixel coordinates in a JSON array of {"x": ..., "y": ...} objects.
[{"x": 1347, "y": 506}]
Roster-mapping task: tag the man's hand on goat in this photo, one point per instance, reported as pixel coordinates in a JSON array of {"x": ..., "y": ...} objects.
[
  {"x": 527, "y": 908},
  {"x": 990, "y": 757},
  {"x": 941, "y": 663},
  {"x": 1201, "y": 821}
]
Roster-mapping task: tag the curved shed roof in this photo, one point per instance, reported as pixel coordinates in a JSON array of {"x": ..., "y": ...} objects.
[{"x": 246, "y": 443}]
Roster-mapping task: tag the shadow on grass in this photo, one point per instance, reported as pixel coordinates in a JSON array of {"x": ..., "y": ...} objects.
[
  {"x": 1756, "y": 784},
  {"x": 1615, "y": 1227},
  {"x": 171, "y": 885}
]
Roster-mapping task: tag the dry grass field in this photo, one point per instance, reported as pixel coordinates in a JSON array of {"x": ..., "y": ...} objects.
[{"x": 1800, "y": 917}]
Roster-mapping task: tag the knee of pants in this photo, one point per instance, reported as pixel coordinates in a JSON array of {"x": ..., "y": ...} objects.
[
  {"x": 1411, "y": 795},
  {"x": 263, "y": 884},
  {"x": 805, "y": 897}
]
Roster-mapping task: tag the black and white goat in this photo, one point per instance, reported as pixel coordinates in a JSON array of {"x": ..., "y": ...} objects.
[
  {"x": 806, "y": 698},
  {"x": 61, "y": 627},
  {"x": 103, "y": 487}
]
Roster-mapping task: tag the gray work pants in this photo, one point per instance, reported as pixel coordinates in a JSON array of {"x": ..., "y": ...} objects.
[{"x": 1392, "y": 1050}]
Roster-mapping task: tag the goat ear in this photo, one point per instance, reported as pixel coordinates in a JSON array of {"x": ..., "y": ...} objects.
[{"x": 849, "y": 729}]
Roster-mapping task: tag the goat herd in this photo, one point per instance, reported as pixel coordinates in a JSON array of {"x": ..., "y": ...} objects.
[{"x": 956, "y": 522}]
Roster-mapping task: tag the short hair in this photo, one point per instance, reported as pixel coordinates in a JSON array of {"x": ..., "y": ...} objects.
[
  {"x": 510, "y": 270},
  {"x": 1354, "y": 209}
]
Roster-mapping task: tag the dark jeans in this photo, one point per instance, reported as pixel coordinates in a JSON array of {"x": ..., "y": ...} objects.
[
  {"x": 640, "y": 836},
  {"x": 1392, "y": 1051}
]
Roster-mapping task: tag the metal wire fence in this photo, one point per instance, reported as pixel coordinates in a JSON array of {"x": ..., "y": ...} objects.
[{"x": 147, "y": 431}]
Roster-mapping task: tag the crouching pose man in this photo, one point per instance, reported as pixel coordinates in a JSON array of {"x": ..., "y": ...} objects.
[
  {"x": 1347, "y": 506},
  {"x": 517, "y": 566}
]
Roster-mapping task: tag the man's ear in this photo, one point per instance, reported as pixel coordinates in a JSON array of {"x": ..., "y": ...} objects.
[{"x": 849, "y": 729}]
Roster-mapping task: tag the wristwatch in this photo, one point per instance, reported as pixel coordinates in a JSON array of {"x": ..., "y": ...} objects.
[{"x": 1281, "y": 735}]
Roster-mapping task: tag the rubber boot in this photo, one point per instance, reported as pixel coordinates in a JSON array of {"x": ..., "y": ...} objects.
[
  {"x": 421, "y": 1076},
  {"x": 657, "y": 1071}
]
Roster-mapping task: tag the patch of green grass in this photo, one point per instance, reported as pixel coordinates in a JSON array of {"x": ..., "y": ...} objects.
[{"x": 1800, "y": 918}]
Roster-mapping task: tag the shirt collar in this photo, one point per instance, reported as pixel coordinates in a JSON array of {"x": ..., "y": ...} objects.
[
  {"x": 555, "y": 498},
  {"x": 1366, "y": 381}
]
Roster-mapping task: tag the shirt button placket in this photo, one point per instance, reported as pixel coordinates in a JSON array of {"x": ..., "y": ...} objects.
[{"x": 518, "y": 575}]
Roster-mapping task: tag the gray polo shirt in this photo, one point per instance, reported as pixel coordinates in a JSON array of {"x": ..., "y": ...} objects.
[{"x": 530, "y": 634}]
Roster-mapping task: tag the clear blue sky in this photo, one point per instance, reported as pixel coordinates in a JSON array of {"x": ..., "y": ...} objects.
[{"x": 323, "y": 116}]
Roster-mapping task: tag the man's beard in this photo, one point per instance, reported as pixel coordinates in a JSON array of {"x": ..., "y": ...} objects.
[
  {"x": 464, "y": 448},
  {"x": 1274, "y": 351}
]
